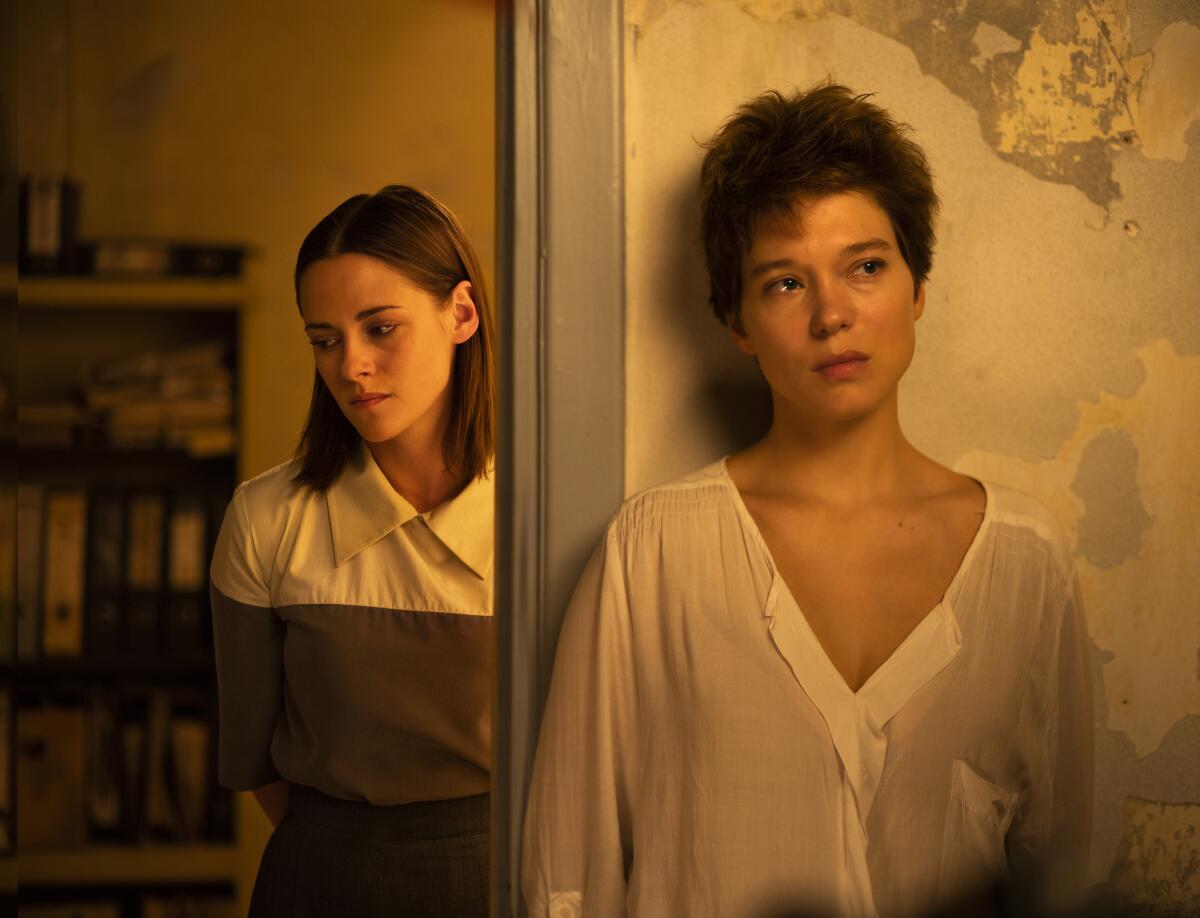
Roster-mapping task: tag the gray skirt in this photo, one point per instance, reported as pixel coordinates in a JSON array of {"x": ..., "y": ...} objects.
[{"x": 331, "y": 857}]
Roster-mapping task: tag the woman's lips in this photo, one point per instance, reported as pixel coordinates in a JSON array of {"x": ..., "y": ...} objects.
[
  {"x": 367, "y": 401},
  {"x": 843, "y": 366}
]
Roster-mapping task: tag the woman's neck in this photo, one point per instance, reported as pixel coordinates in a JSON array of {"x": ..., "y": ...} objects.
[
  {"x": 414, "y": 463},
  {"x": 845, "y": 463}
]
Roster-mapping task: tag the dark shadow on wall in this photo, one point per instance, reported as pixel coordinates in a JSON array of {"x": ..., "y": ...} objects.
[{"x": 727, "y": 392}]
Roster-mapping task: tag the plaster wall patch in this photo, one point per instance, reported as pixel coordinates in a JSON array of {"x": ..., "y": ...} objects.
[
  {"x": 1145, "y": 610},
  {"x": 1073, "y": 91},
  {"x": 1055, "y": 84},
  {"x": 1170, "y": 98},
  {"x": 1111, "y": 528},
  {"x": 992, "y": 40},
  {"x": 1158, "y": 862}
]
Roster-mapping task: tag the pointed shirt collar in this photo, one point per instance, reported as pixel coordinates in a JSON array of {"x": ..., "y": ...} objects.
[{"x": 364, "y": 507}]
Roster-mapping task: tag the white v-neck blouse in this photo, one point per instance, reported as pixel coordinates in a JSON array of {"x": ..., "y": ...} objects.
[{"x": 701, "y": 755}]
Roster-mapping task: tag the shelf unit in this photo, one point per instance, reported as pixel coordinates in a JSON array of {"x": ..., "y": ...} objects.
[
  {"x": 166, "y": 293},
  {"x": 103, "y": 318}
]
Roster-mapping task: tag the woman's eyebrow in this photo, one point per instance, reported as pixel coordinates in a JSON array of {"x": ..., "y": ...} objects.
[
  {"x": 358, "y": 316},
  {"x": 765, "y": 266},
  {"x": 869, "y": 245},
  {"x": 370, "y": 311}
]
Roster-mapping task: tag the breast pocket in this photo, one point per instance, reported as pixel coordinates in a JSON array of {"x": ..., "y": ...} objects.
[{"x": 977, "y": 818}]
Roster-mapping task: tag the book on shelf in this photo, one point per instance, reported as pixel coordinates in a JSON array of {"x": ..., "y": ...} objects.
[
  {"x": 48, "y": 221},
  {"x": 187, "y": 574},
  {"x": 105, "y": 572},
  {"x": 30, "y": 510},
  {"x": 51, "y": 752},
  {"x": 51, "y": 425},
  {"x": 189, "y": 773},
  {"x": 178, "y": 399},
  {"x": 63, "y": 572},
  {"x": 143, "y": 257},
  {"x": 102, "y": 791},
  {"x": 6, "y": 795},
  {"x": 143, "y": 570},
  {"x": 160, "y": 816},
  {"x": 132, "y": 756},
  {"x": 109, "y": 573},
  {"x": 8, "y": 571},
  {"x": 120, "y": 767}
]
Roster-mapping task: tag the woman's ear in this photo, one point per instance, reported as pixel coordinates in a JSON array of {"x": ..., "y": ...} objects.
[
  {"x": 464, "y": 312},
  {"x": 737, "y": 331},
  {"x": 919, "y": 303}
]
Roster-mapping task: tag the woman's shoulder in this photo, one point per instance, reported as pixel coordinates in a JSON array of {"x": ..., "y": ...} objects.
[
  {"x": 1019, "y": 510},
  {"x": 266, "y": 502},
  {"x": 702, "y": 492},
  {"x": 274, "y": 486}
]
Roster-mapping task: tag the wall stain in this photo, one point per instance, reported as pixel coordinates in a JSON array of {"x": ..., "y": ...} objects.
[
  {"x": 1158, "y": 861},
  {"x": 1110, "y": 530},
  {"x": 1167, "y": 775},
  {"x": 1056, "y": 85}
]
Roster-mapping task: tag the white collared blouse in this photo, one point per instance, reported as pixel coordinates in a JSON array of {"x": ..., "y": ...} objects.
[
  {"x": 700, "y": 755},
  {"x": 353, "y": 638}
]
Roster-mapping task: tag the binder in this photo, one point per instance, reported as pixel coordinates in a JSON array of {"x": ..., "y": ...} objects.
[
  {"x": 105, "y": 573},
  {"x": 132, "y": 772},
  {"x": 8, "y": 573},
  {"x": 50, "y": 764},
  {"x": 160, "y": 817},
  {"x": 30, "y": 508},
  {"x": 103, "y": 789},
  {"x": 189, "y": 771},
  {"x": 48, "y": 226},
  {"x": 143, "y": 570},
  {"x": 63, "y": 573},
  {"x": 186, "y": 574},
  {"x": 6, "y": 826}
]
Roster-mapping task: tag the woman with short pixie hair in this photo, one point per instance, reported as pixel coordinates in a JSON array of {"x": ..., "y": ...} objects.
[
  {"x": 352, "y": 586},
  {"x": 826, "y": 674}
]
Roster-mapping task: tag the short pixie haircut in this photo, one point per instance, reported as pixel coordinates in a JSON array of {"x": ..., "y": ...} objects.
[
  {"x": 776, "y": 148},
  {"x": 419, "y": 237}
]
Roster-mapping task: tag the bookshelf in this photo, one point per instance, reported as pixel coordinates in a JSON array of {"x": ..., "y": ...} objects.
[
  {"x": 126, "y": 395},
  {"x": 167, "y": 293}
]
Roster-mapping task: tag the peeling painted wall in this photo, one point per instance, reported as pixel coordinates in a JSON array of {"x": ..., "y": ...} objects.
[{"x": 1060, "y": 347}]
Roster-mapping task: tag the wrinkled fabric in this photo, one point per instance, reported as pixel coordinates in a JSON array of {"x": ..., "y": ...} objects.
[{"x": 701, "y": 755}]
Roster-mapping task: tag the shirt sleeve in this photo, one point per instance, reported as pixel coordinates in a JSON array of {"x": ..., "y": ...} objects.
[
  {"x": 1051, "y": 833},
  {"x": 578, "y": 844},
  {"x": 248, "y": 644}
]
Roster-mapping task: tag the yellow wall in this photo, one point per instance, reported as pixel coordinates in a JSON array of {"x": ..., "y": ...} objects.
[
  {"x": 1060, "y": 346},
  {"x": 249, "y": 122}
]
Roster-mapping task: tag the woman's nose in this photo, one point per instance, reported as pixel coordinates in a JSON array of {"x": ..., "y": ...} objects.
[
  {"x": 356, "y": 361},
  {"x": 833, "y": 310}
]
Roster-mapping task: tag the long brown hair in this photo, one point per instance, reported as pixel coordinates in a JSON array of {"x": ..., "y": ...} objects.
[{"x": 418, "y": 236}]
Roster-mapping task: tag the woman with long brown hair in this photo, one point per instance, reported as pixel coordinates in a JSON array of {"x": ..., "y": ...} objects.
[{"x": 352, "y": 586}]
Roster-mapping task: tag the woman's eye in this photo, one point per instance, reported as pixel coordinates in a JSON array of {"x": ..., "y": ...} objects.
[
  {"x": 784, "y": 285},
  {"x": 382, "y": 329},
  {"x": 872, "y": 267},
  {"x": 322, "y": 344}
]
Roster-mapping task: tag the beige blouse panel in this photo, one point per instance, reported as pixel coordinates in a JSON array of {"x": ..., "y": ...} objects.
[{"x": 354, "y": 638}]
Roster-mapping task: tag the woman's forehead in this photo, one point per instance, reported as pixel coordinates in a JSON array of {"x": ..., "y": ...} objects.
[{"x": 831, "y": 220}]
